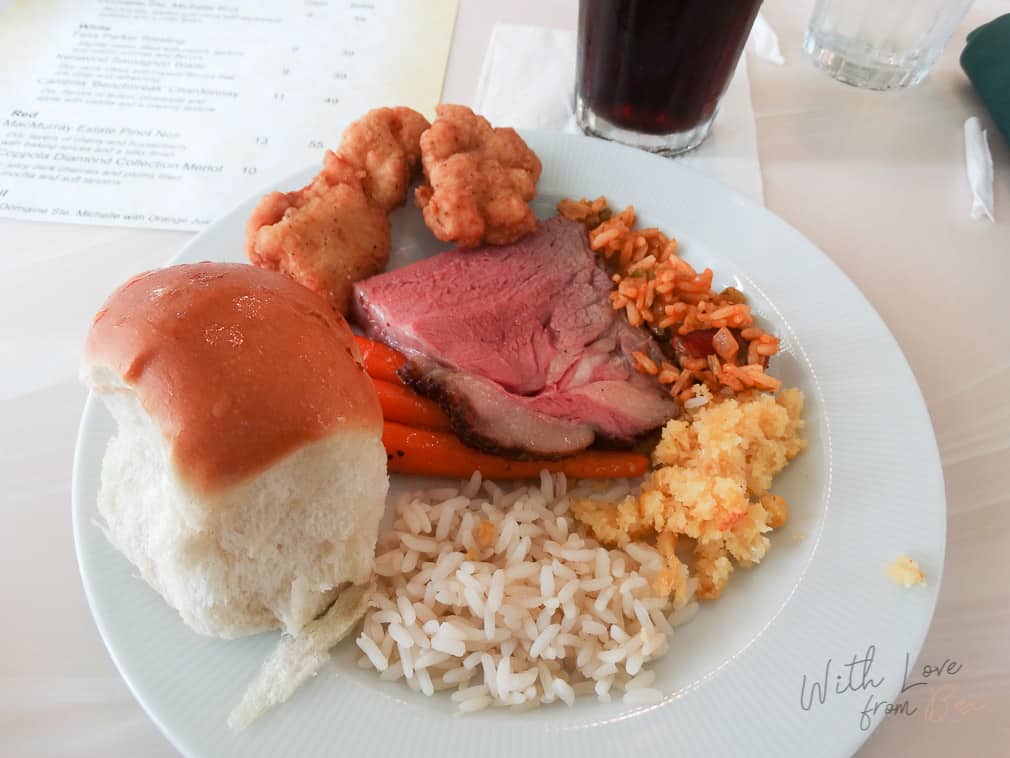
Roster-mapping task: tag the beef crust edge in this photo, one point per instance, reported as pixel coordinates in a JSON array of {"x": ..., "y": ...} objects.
[{"x": 461, "y": 417}]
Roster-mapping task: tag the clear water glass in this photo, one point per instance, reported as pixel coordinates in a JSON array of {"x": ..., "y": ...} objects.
[{"x": 881, "y": 44}]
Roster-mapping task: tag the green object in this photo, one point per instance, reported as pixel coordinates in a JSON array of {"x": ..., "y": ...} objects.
[{"x": 986, "y": 60}]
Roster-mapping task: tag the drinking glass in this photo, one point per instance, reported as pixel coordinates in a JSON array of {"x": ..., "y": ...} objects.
[
  {"x": 881, "y": 44},
  {"x": 650, "y": 73}
]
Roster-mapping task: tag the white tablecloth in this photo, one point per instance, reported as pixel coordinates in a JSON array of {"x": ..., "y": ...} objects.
[{"x": 876, "y": 180}]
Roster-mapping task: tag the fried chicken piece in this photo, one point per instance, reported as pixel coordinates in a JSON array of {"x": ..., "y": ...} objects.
[
  {"x": 335, "y": 231},
  {"x": 325, "y": 236},
  {"x": 479, "y": 180},
  {"x": 383, "y": 144}
]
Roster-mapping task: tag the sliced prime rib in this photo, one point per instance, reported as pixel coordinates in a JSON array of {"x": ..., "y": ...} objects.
[{"x": 519, "y": 343}]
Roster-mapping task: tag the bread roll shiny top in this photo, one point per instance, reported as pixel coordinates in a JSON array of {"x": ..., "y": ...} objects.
[{"x": 236, "y": 365}]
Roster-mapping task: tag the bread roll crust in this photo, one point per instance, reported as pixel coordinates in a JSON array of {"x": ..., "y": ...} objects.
[{"x": 237, "y": 366}]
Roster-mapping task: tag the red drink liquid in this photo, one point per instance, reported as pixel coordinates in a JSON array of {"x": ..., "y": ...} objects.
[{"x": 657, "y": 67}]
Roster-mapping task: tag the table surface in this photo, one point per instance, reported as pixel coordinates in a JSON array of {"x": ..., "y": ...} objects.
[{"x": 876, "y": 180}]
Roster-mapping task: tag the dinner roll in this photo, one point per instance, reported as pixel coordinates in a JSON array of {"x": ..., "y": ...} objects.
[{"x": 247, "y": 476}]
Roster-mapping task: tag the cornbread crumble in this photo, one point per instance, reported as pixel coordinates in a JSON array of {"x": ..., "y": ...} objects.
[{"x": 709, "y": 495}]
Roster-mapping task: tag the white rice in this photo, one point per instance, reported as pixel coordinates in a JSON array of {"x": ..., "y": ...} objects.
[
  {"x": 541, "y": 613},
  {"x": 695, "y": 402}
]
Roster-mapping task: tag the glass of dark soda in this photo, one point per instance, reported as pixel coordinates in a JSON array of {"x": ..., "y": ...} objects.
[{"x": 650, "y": 73}]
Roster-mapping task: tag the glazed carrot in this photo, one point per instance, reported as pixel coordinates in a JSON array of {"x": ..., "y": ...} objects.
[
  {"x": 406, "y": 407},
  {"x": 381, "y": 361},
  {"x": 428, "y": 453}
]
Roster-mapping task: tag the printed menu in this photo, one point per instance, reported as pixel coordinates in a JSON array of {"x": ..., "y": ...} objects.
[{"x": 163, "y": 114}]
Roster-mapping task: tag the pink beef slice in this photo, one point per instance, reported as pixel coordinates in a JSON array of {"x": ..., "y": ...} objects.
[{"x": 519, "y": 344}]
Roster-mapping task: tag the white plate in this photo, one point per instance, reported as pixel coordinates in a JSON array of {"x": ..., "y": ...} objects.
[{"x": 868, "y": 488}]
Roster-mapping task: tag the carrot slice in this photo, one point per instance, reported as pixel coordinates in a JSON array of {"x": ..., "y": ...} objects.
[
  {"x": 381, "y": 361},
  {"x": 431, "y": 453},
  {"x": 400, "y": 404}
]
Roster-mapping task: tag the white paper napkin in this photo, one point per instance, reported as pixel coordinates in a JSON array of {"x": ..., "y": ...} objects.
[
  {"x": 978, "y": 164},
  {"x": 764, "y": 42},
  {"x": 528, "y": 79}
]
